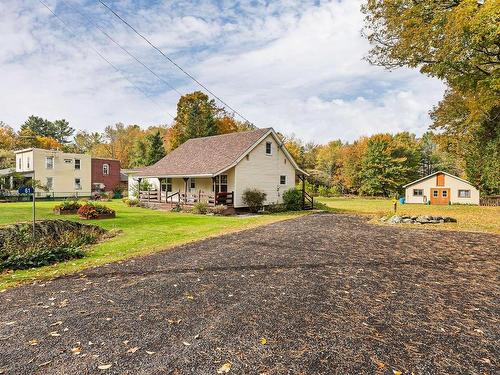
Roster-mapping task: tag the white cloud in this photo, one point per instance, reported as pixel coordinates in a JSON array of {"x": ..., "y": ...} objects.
[{"x": 294, "y": 65}]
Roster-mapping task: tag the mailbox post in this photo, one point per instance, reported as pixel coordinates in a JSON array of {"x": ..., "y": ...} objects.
[{"x": 30, "y": 190}]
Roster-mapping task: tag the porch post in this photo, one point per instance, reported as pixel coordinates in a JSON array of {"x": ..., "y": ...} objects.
[
  {"x": 185, "y": 188},
  {"x": 139, "y": 188},
  {"x": 303, "y": 191}
]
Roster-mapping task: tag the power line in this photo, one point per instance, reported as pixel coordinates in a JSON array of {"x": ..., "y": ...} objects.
[
  {"x": 104, "y": 58},
  {"x": 123, "y": 48},
  {"x": 172, "y": 61}
]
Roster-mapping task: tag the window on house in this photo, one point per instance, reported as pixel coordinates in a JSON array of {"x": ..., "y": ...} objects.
[
  {"x": 418, "y": 192},
  {"x": 269, "y": 148},
  {"x": 68, "y": 161},
  {"x": 435, "y": 193},
  {"x": 20, "y": 163},
  {"x": 166, "y": 185},
  {"x": 464, "y": 193},
  {"x": 105, "y": 169},
  {"x": 282, "y": 180},
  {"x": 78, "y": 185},
  {"x": 77, "y": 164},
  {"x": 192, "y": 183},
  {"x": 444, "y": 193},
  {"x": 220, "y": 184},
  {"x": 49, "y": 162},
  {"x": 28, "y": 162},
  {"x": 50, "y": 183}
]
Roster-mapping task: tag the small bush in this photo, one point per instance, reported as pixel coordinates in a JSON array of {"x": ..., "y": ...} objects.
[
  {"x": 131, "y": 202},
  {"x": 292, "y": 199},
  {"x": 217, "y": 210},
  {"x": 94, "y": 210},
  {"x": 177, "y": 208},
  {"x": 200, "y": 208},
  {"x": 254, "y": 199},
  {"x": 118, "y": 191}
]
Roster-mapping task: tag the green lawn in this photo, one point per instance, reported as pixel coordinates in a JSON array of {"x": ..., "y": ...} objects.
[
  {"x": 143, "y": 231},
  {"x": 470, "y": 218}
]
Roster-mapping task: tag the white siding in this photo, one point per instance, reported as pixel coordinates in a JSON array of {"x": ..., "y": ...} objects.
[
  {"x": 263, "y": 172},
  {"x": 454, "y": 184}
]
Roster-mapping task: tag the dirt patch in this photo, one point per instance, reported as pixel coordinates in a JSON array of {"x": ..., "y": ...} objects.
[{"x": 319, "y": 294}]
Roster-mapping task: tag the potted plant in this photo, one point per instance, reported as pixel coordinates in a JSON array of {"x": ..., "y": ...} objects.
[
  {"x": 95, "y": 211},
  {"x": 67, "y": 207}
]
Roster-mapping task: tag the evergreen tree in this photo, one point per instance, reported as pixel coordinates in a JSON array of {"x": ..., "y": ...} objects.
[
  {"x": 138, "y": 155},
  {"x": 155, "y": 149}
]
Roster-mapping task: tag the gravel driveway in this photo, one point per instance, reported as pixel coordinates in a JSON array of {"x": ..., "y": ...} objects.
[{"x": 321, "y": 294}]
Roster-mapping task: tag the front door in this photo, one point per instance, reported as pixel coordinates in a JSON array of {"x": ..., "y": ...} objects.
[{"x": 440, "y": 196}]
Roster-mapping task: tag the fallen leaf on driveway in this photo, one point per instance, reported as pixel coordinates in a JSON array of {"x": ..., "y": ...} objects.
[
  {"x": 263, "y": 341},
  {"x": 186, "y": 343},
  {"x": 56, "y": 324},
  {"x": 103, "y": 367},
  {"x": 224, "y": 369},
  {"x": 54, "y": 334},
  {"x": 44, "y": 363},
  {"x": 133, "y": 350},
  {"x": 150, "y": 353},
  {"x": 10, "y": 323},
  {"x": 76, "y": 350},
  {"x": 173, "y": 321},
  {"x": 189, "y": 297},
  {"x": 396, "y": 372},
  {"x": 33, "y": 342}
]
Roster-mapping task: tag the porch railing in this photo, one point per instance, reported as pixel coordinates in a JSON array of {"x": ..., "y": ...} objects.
[{"x": 212, "y": 199}]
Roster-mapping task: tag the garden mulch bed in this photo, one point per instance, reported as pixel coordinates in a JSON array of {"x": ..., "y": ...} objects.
[{"x": 328, "y": 293}]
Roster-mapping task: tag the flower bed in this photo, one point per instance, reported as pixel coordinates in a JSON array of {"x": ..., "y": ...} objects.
[
  {"x": 55, "y": 241},
  {"x": 95, "y": 211},
  {"x": 68, "y": 207}
]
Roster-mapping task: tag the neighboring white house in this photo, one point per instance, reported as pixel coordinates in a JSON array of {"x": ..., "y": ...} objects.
[
  {"x": 64, "y": 174},
  {"x": 441, "y": 188},
  {"x": 222, "y": 165}
]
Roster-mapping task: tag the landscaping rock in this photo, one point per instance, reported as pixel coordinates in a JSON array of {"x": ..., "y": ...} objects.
[{"x": 405, "y": 219}]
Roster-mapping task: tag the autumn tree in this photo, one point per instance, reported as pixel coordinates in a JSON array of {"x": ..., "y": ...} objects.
[
  {"x": 458, "y": 42},
  {"x": 59, "y": 129},
  {"x": 196, "y": 117},
  {"x": 85, "y": 142}
]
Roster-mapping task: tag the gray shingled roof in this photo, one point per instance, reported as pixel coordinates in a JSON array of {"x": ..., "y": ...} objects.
[{"x": 205, "y": 156}]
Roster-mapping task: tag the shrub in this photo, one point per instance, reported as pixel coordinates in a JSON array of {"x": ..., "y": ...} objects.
[
  {"x": 254, "y": 199},
  {"x": 200, "y": 208},
  {"x": 275, "y": 208},
  {"x": 292, "y": 199},
  {"x": 217, "y": 210},
  {"x": 55, "y": 240},
  {"x": 94, "y": 210},
  {"x": 118, "y": 191},
  {"x": 131, "y": 202}
]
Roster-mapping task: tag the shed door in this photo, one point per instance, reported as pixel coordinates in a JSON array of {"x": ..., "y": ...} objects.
[{"x": 440, "y": 196}]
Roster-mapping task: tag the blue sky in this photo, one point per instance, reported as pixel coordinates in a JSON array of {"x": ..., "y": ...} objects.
[{"x": 295, "y": 65}]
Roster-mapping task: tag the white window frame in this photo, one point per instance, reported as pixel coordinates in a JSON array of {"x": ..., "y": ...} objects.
[
  {"x": 78, "y": 185},
  {"x": 78, "y": 164},
  {"x": 47, "y": 164},
  {"x": 270, "y": 144},
  {"x": 286, "y": 179},
  {"x": 105, "y": 169},
  {"x": 466, "y": 191},
  {"x": 20, "y": 163},
  {"x": 51, "y": 185},
  {"x": 418, "y": 195}
]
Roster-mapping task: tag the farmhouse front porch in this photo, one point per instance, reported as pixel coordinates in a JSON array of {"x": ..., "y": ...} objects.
[{"x": 187, "y": 191}]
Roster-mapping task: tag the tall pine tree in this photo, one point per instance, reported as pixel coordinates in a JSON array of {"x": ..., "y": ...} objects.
[{"x": 155, "y": 149}]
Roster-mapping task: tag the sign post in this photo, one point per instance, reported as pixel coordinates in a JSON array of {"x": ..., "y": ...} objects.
[{"x": 30, "y": 190}]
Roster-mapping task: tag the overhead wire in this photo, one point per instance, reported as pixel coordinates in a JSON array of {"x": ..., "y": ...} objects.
[{"x": 105, "y": 59}]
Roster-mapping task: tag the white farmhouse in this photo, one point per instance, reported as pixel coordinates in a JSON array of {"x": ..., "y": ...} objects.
[{"x": 218, "y": 169}]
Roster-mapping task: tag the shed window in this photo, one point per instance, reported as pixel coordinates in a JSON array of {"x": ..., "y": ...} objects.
[
  {"x": 418, "y": 192},
  {"x": 464, "y": 193},
  {"x": 435, "y": 193},
  {"x": 444, "y": 193},
  {"x": 105, "y": 169},
  {"x": 269, "y": 148},
  {"x": 49, "y": 162},
  {"x": 282, "y": 180}
]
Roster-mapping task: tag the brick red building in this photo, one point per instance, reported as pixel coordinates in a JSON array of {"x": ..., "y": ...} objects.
[{"x": 105, "y": 174}]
